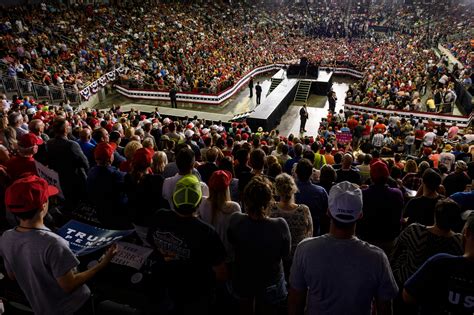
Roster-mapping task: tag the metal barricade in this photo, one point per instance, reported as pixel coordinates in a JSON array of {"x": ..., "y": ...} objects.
[
  {"x": 57, "y": 94},
  {"x": 10, "y": 84},
  {"x": 72, "y": 96},
  {"x": 41, "y": 91},
  {"x": 25, "y": 87}
]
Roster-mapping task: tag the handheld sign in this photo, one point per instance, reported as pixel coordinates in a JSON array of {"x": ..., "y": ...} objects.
[
  {"x": 343, "y": 137},
  {"x": 131, "y": 255},
  {"x": 52, "y": 177},
  {"x": 85, "y": 239}
]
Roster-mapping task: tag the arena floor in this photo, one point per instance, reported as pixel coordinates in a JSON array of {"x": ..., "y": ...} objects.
[{"x": 290, "y": 123}]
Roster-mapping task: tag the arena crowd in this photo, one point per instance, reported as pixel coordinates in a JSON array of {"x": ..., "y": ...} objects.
[{"x": 240, "y": 221}]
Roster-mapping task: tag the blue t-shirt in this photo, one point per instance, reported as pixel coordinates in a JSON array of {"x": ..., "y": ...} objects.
[
  {"x": 464, "y": 199},
  {"x": 444, "y": 285}
]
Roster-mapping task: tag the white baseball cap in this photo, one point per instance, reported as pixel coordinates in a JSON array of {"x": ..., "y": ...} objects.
[{"x": 345, "y": 202}]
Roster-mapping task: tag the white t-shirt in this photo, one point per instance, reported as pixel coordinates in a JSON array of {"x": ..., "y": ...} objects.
[
  {"x": 221, "y": 223},
  {"x": 428, "y": 139}
]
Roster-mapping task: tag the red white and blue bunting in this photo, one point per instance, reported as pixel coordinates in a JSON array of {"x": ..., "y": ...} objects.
[{"x": 94, "y": 87}]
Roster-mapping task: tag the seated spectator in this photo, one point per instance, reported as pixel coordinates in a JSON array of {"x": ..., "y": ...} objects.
[
  {"x": 260, "y": 245},
  {"x": 322, "y": 279},
  {"x": 311, "y": 195},
  {"x": 382, "y": 210},
  {"x": 192, "y": 256},
  {"x": 443, "y": 283},
  {"x": 218, "y": 208},
  {"x": 420, "y": 209},
  {"x": 41, "y": 261}
]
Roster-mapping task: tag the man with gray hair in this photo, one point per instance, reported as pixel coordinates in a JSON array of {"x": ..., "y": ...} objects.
[
  {"x": 340, "y": 273},
  {"x": 15, "y": 120}
]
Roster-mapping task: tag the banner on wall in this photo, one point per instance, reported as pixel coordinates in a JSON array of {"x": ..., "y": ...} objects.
[{"x": 94, "y": 87}]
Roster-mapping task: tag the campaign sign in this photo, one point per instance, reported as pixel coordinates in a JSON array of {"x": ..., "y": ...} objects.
[
  {"x": 85, "y": 239},
  {"x": 50, "y": 176},
  {"x": 343, "y": 137},
  {"x": 131, "y": 255}
]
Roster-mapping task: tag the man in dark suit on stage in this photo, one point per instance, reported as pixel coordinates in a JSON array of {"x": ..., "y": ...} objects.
[
  {"x": 303, "y": 118},
  {"x": 258, "y": 91},
  {"x": 251, "y": 86},
  {"x": 173, "y": 93},
  {"x": 332, "y": 101}
]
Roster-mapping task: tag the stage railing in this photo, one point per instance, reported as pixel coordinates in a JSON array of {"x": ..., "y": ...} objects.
[
  {"x": 216, "y": 99},
  {"x": 437, "y": 118}
]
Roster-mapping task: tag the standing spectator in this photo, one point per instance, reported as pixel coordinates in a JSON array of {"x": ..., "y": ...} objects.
[
  {"x": 444, "y": 283},
  {"x": 209, "y": 167},
  {"x": 346, "y": 172},
  {"x": 185, "y": 164},
  {"x": 143, "y": 188},
  {"x": 260, "y": 244},
  {"x": 457, "y": 181},
  {"x": 377, "y": 140},
  {"x": 66, "y": 158},
  {"x": 40, "y": 260},
  {"x": 447, "y": 158},
  {"x": 191, "y": 254},
  {"x": 382, "y": 210},
  {"x": 24, "y": 163},
  {"x": 296, "y": 215},
  {"x": 311, "y": 195},
  {"x": 421, "y": 209},
  {"x": 218, "y": 208},
  {"x": 418, "y": 242},
  {"x": 321, "y": 269},
  {"x": 298, "y": 153},
  {"x": 106, "y": 188},
  {"x": 258, "y": 92},
  {"x": 412, "y": 179}
]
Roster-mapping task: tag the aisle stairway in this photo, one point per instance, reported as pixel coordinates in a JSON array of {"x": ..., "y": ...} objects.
[
  {"x": 302, "y": 93},
  {"x": 275, "y": 83}
]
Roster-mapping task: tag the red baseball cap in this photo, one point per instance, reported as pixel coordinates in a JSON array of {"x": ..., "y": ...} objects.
[
  {"x": 220, "y": 180},
  {"x": 142, "y": 157},
  {"x": 28, "y": 140},
  {"x": 28, "y": 193},
  {"x": 379, "y": 171},
  {"x": 104, "y": 151}
]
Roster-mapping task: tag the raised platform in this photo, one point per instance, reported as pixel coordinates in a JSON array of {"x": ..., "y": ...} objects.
[{"x": 268, "y": 114}]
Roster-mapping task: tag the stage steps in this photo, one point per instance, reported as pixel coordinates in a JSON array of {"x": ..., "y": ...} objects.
[
  {"x": 275, "y": 83},
  {"x": 302, "y": 93}
]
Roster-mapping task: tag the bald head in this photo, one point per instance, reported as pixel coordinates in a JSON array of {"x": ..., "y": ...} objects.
[{"x": 347, "y": 161}]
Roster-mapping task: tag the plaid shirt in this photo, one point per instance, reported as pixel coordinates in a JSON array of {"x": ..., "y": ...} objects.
[{"x": 412, "y": 181}]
